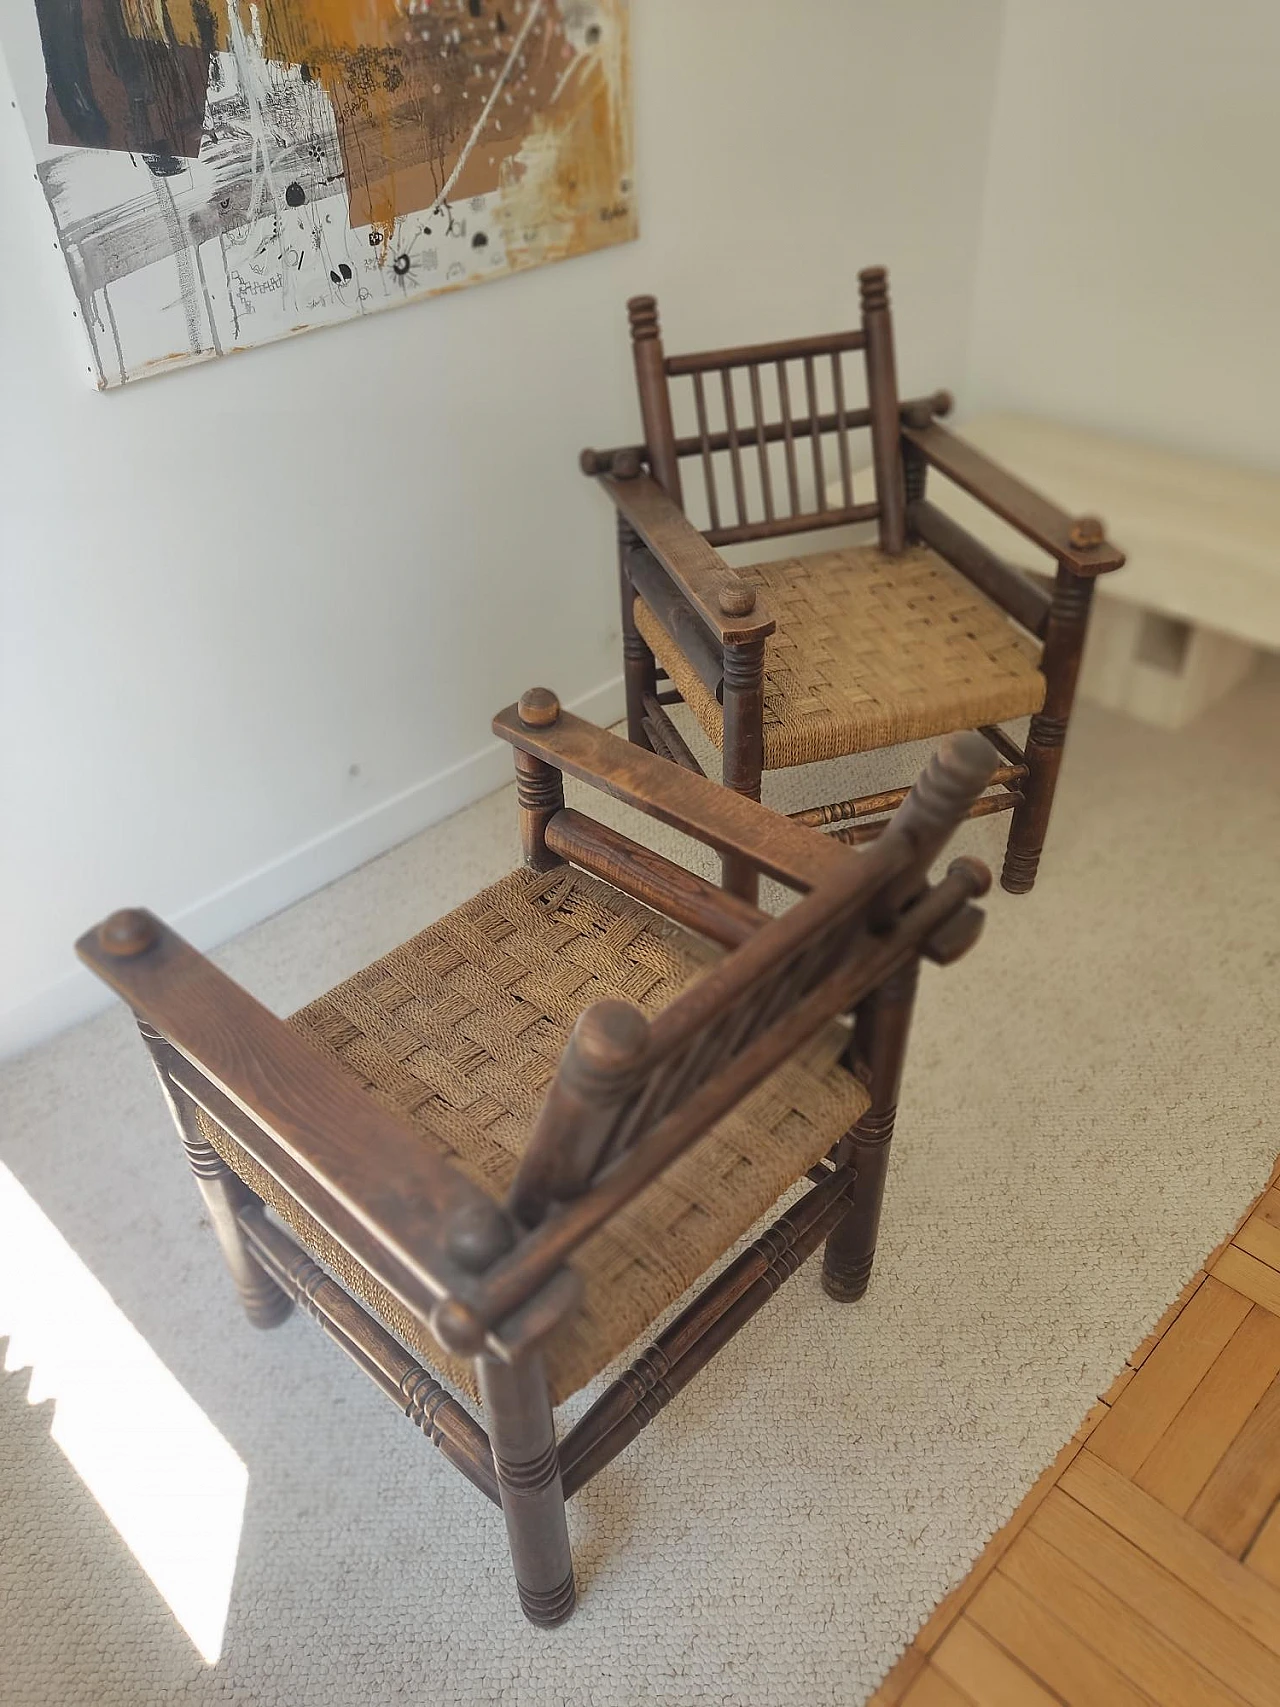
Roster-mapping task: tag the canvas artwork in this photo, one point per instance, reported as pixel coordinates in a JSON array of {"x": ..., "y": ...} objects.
[{"x": 225, "y": 172}]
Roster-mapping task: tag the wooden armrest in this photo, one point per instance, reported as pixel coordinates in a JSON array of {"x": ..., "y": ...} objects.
[
  {"x": 658, "y": 882},
  {"x": 727, "y": 605},
  {"x": 410, "y": 1217},
  {"x": 1077, "y": 541},
  {"x": 1007, "y": 586},
  {"x": 707, "y": 810}
]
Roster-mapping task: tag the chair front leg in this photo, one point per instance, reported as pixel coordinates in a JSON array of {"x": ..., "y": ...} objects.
[
  {"x": 225, "y": 1194},
  {"x": 1063, "y": 649},
  {"x": 743, "y": 757},
  {"x": 522, "y": 1433},
  {"x": 885, "y": 1022},
  {"x": 639, "y": 668}
]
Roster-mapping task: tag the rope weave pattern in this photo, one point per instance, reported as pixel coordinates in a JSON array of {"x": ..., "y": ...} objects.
[
  {"x": 459, "y": 1031},
  {"x": 869, "y": 651}
]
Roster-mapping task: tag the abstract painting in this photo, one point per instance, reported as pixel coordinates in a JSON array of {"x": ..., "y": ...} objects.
[{"x": 226, "y": 172}]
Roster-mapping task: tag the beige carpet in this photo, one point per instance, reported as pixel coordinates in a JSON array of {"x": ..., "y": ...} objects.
[{"x": 1090, "y": 1103}]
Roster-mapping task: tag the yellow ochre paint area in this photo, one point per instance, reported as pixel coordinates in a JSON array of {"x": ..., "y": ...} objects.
[
  {"x": 285, "y": 25},
  {"x": 320, "y": 34},
  {"x": 562, "y": 184},
  {"x": 323, "y": 35},
  {"x": 558, "y": 183}
]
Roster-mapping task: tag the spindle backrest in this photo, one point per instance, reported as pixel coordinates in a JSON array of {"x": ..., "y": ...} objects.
[
  {"x": 622, "y": 1077},
  {"x": 750, "y": 491}
]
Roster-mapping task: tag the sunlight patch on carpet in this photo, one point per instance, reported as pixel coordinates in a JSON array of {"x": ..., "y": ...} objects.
[{"x": 171, "y": 1486}]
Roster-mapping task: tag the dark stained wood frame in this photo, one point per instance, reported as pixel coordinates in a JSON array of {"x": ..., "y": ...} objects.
[
  {"x": 721, "y": 626},
  {"x": 490, "y": 1281}
]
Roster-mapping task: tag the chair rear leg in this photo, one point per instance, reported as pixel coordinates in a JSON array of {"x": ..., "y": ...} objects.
[
  {"x": 1063, "y": 649},
  {"x": 526, "y": 1457},
  {"x": 885, "y": 1022},
  {"x": 225, "y": 1194}
]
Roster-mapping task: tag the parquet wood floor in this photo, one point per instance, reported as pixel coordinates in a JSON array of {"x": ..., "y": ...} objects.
[{"x": 1144, "y": 1565}]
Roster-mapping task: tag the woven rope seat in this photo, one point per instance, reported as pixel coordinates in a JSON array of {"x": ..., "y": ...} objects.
[
  {"x": 459, "y": 1031},
  {"x": 869, "y": 651}
]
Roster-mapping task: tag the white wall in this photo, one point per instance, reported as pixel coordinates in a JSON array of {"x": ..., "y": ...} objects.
[
  {"x": 225, "y": 588},
  {"x": 1129, "y": 276}
]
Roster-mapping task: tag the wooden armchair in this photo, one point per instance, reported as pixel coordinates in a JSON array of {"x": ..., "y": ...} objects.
[
  {"x": 839, "y": 652},
  {"x": 508, "y": 1145}
]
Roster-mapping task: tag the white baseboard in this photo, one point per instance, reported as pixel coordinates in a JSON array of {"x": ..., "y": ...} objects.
[{"x": 272, "y": 887}]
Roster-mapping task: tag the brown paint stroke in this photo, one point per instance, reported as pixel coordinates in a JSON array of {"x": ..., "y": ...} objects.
[
  {"x": 408, "y": 86},
  {"x": 400, "y": 158},
  {"x": 111, "y": 89}
]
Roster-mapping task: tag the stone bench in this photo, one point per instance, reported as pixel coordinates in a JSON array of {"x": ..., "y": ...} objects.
[{"x": 1199, "y": 596}]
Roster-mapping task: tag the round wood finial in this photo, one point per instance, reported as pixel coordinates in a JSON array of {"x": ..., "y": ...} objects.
[
  {"x": 975, "y": 873},
  {"x": 873, "y": 287},
  {"x": 921, "y": 411},
  {"x": 642, "y": 312},
  {"x": 1085, "y": 532},
  {"x": 626, "y": 465},
  {"x": 478, "y": 1235},
  {"x": 611, "y": 1036},
  {"x": 126, "y": 933},
  {"x": 957, "y": 773},
  {"x": 538, "y": 708},
  {"x": 591, "y": 462},
  {"x": 736, "y": 598},
  {"x": 457, "y": 1327}
]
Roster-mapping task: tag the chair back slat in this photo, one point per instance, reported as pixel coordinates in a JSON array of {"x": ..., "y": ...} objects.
[
  {"x": 842, "y": 431},
  {"x": 687, "y": 1049},
  {"x": 816, "y": 365},
  {"x": 735, "y": 452},
  {"x": 762, "y": 447},
  {"x": 623, "y": 1076},
  {"x": 788, "y": 437},
  {"x": 815, "y": 435},
  {"x": 704, "y": 440}
]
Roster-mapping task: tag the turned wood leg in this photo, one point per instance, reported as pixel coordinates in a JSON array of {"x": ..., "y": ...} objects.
[
  {"x": 885, "y": 1021},
  {"x": 1030, "y": 822},
  {"x": 527, "y": 1461},
  {"x": 743, "y": 758},
  {"x": 225, "y": 1194},
  {"x": 539, "y": 786},
  {"x": 1063, "y": 647},
  {"x": 639, "y": 670}
]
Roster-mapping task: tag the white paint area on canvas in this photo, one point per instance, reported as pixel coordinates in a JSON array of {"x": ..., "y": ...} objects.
[{"x": 163, "y": 280}]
